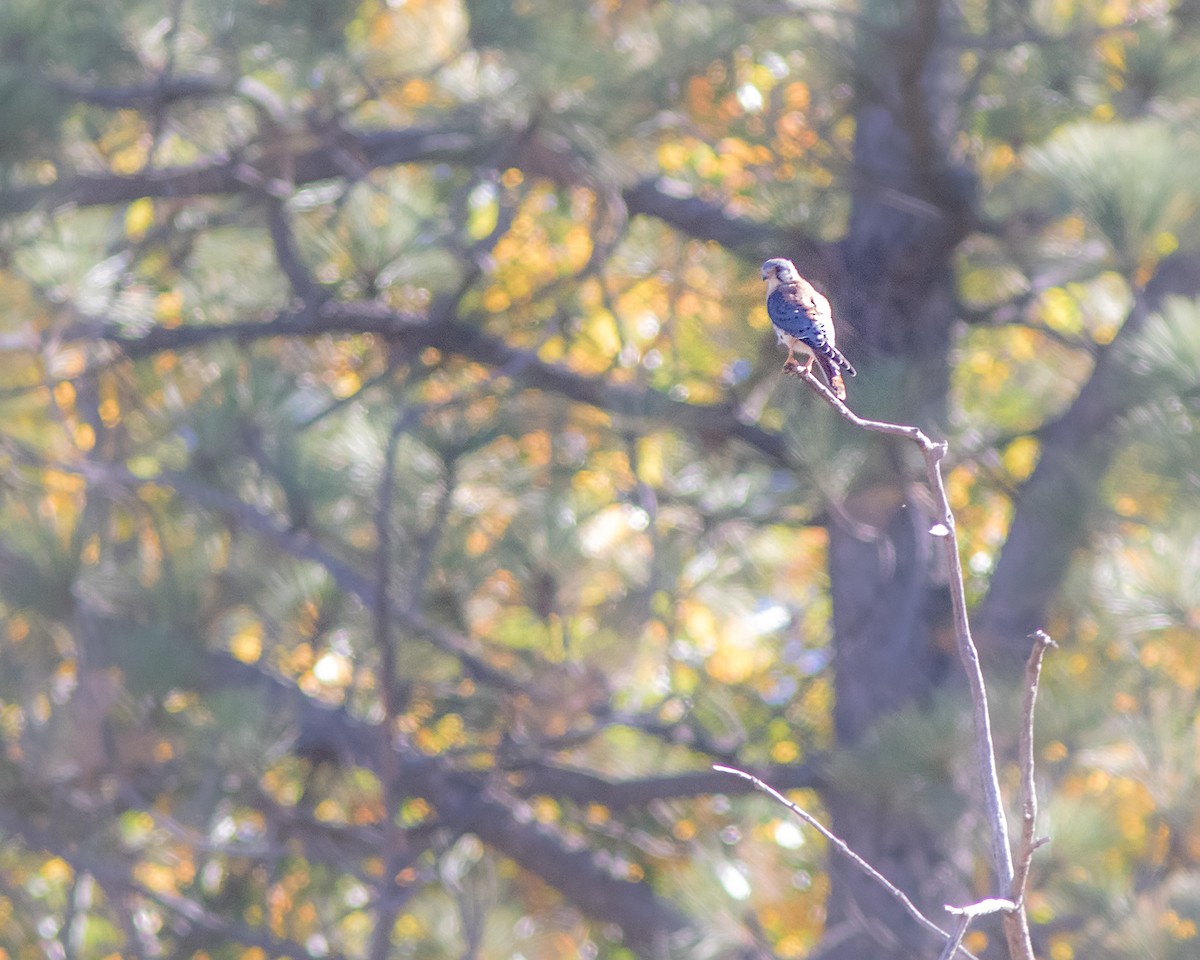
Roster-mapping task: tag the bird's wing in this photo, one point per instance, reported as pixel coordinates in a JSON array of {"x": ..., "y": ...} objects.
[{"x": 803, "y": 314}]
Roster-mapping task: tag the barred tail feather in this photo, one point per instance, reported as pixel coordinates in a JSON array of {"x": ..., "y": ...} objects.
[
  {"x": 840, "y": 359},
  {"x": 833, "y": 375}
]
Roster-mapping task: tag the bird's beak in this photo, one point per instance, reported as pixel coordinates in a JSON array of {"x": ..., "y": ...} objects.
[{"x": 764, "y": 274}]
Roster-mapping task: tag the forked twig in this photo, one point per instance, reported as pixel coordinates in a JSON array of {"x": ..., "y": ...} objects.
[{"x": 1016, "y": 924}]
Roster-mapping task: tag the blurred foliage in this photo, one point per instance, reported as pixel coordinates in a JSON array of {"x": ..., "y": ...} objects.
[{"x": 582, "y": 576}]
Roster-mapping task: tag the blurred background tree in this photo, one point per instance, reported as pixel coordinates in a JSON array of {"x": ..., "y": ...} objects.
[{"x": 402, "y": 507}]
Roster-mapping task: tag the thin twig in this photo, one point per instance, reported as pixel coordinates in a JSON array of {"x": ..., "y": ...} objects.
[
  {"x": 953, "y": 944},
  {"x": 841, "y": 845},
  {"x": 1029, "y": 804},
  {"x": 934, "y": 452}
]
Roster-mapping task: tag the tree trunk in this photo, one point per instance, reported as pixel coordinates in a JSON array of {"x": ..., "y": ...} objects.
[{"x": 894, "y": 290}]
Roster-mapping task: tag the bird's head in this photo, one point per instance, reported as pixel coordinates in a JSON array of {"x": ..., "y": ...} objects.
[{"x": 777, "y": 270}]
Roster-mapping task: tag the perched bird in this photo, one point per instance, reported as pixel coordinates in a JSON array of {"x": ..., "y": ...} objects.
[{"x": 803, "y": 322}]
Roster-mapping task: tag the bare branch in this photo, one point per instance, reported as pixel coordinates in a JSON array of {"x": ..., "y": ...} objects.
[
  {"x": 1015, "y": 924},
  {"x": 583, "y": 786},
  {"x": 915, "y": 434},
  {"x": 709, "y": 220},
  {"x": 141, "y": 96},
  {"x": 953, "y": 944},
  {"x": 899, "y": 895},
  {"x": 968, "y": 913}
]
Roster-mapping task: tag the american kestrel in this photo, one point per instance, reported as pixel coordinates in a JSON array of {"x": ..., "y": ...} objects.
[{"x": 803, "y": 322}]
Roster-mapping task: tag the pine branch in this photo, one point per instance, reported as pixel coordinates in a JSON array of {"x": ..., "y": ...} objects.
[
  {"x": 1052, "y": 506},
  {"x": 224, "y": 176},
  {"x": 465, "y": 802},
  {"x": 712, "y": 423},
  {"x": 301, "y": 545},
  {"x": 465, "y": 144},
  {"x": 114, "y": 873}
]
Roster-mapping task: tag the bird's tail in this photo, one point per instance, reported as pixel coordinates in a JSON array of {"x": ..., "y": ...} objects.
[
  {"x": 840, "y": 359},
  {"x": 833, "y": 362}
]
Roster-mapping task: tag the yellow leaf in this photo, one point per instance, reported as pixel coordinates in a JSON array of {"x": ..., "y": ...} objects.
[
  {"x": 597, "y": 814},
  {"x": 64, "y": 396},
  {"x": 139, "y": 217},
  {"x": 345, "y": 384},
  {"x": 672, "y": 156},
  {"x": 56, "y": 870},
  {"x": 545, "y": 810},
  {"x": 958, "y": 486},
  {"x": 577, "y": 246},
  {"x": 246, "y": 644},
  {"x": 155, "y": 876},
  {"x": 1165, "y": 243},
  {"x": 333, "y": 669},
  {"x": 415, "y": 811},
  {"x": 684, "y": 830},
  {"x": 1023, "y": 344},
  {"x": 650, "y": 460},
  {"x": 1021, "y": 456},
  {"x": 416, "y": 92},
  {"x": 732, "y": 664},
  {"x": 85, "y": 436},
  {"x": 168, "y": 308},
  {"x": 600, "y": 333},
  {"x": 1060, "y": 311},
  {"x": 56, "y": 481},
  {"x": 129, "y": 159},
  {"x": 1054, "y": 751},
  {"x": 1060, "y": 949},
  {"x": 796, "y": 96},
  {"x": 327, "y": 810},
  {"x": 496, "y": 300},
  {"x": 785, "y": 752},
  {"x": 110, "y": 411}
]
